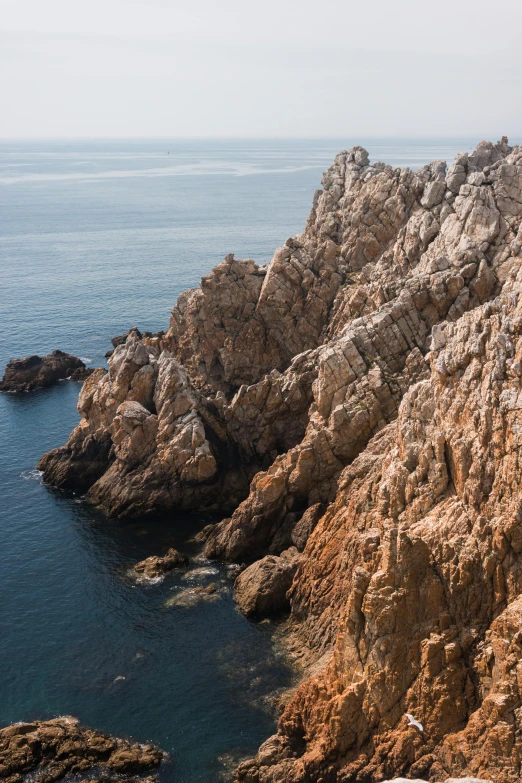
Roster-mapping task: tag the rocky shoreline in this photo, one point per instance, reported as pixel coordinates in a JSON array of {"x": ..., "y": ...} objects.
[
  {"x": 49, "y": 750},
  {"x": 355, "y": 406}
]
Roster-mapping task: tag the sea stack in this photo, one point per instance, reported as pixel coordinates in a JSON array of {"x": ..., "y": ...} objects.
[{"x": 36, "y": 372}]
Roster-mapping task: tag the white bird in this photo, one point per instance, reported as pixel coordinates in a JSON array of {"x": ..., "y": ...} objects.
[{"x": 413, "y": 722}]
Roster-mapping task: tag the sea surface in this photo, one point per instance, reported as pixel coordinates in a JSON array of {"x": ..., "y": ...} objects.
[{"x": 97, "y": 237}]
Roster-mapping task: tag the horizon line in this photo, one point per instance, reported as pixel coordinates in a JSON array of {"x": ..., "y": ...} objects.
[{"x": 486, "y": 136}]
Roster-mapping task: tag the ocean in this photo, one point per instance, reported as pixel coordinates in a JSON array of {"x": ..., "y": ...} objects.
[{"x": 97, "y": 237}]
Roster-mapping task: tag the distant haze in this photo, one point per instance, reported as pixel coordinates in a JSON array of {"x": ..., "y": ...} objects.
[{"x": 113, "y": 68}]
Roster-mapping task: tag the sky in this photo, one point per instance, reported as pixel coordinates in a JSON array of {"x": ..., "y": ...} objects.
[{"x": 275, "y": 68}]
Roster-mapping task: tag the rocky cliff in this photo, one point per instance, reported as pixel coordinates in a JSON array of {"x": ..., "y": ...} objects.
[{"x": 357, "y": 399}]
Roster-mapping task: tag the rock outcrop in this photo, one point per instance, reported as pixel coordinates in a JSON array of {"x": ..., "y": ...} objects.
[
  {"x": 36, "y": 372},
  {"x": 448, "y": 780},
  {"x": 49, "y": 750},
  {"x": 261, "y": 589},
  {"x": 153, "y": 567},
  {"x": 359, "y": 399}
]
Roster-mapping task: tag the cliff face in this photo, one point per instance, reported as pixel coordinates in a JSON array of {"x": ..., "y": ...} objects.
[{"x": 358, "y": 397}]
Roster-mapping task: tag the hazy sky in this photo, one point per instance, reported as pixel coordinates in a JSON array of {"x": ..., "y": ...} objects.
[{"x": 268, "y": 68}]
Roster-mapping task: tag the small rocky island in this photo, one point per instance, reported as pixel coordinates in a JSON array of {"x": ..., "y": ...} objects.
[
  {"x": 36, "y": 372},
  {"x": 47, "y": 751},
  {"x": 356, "y": 408}
]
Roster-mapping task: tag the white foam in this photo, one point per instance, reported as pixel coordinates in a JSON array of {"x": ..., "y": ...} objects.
[
  {"x": 32, "y": 475},
  {"x": 196, "y": 573},
  {"x": 146, "y": 580},
  {"x": 85, "y": 360}
]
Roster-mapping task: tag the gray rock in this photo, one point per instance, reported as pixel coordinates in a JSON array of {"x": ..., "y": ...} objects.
[{"x": 433, "y": 194}]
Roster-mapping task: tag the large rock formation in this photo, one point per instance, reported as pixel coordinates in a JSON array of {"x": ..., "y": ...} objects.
[
  {"x": 36, "y": 372},
  {"x": 48, "y": 751},
  {"x": 358, "y": 398}
]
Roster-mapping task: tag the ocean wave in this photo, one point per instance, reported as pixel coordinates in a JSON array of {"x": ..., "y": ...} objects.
[
  {"x": 32, "y": 475},
  {"x": 85, "y": 360}
]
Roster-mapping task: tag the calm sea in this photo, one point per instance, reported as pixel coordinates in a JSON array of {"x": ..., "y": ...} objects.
[{"x": 97, "y": 237}]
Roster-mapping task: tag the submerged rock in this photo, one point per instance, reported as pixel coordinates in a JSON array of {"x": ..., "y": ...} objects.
[
  {"x": 192, "y": 596},
  {"x": 153, "y": 567},
  {"x": 36, "y": 372},
  {"x": 49, "y": 750}
]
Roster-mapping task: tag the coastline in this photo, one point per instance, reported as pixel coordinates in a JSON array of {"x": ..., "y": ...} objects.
[{"x": 330, "y": 400}]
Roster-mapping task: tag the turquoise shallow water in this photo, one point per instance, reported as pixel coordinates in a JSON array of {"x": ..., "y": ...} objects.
[{"x": 97, "y": 237}]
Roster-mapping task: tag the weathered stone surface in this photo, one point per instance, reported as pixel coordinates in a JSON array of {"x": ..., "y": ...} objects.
[
  {"x": 358, "y": 398},
  {"x": 262, "y": 587},
  {"x": 413, "y": 578},
  {"x": 303, "y": 529},
  {"x": 448, "y": 780},
  {"x": 154, "y": 566},
  {"x": 49, "y": 750},
  {"x": 36, "y": 372}
]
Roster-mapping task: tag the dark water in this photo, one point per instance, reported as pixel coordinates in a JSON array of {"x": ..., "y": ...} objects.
[{"x": 95, "y": 238}]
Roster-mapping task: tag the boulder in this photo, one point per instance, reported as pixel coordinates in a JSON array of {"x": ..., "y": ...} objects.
[
  {"x": 262, "y": 587},
  {"x": 153, "y": 566}
]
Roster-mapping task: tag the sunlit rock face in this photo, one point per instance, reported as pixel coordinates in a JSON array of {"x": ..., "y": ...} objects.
[
  {"x": 359, "y": 399},
  {"x": 62, "y": 749}
]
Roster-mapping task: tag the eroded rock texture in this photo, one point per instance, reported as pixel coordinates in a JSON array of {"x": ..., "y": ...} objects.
[
  {"x": 359, "y": 398},
  {"x": 47, "y": 751}
]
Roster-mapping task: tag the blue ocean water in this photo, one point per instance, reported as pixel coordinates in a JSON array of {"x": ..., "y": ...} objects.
[{"x": 97, "y": 237}]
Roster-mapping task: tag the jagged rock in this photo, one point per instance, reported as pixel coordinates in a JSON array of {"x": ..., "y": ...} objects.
[
  {"x": 306, "y": 525},
  {"x": 448, "y": 780},
  {"x": 262, "y": 587},
  {"x": 154, "y": 566},
  {"x": 49, "y": 750},
  {"x": 360, "y": 397},
  {"x": 36, "y": 372},
  {"x": 121, "y": 339},
  {"x": 81, "y": 373}
]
